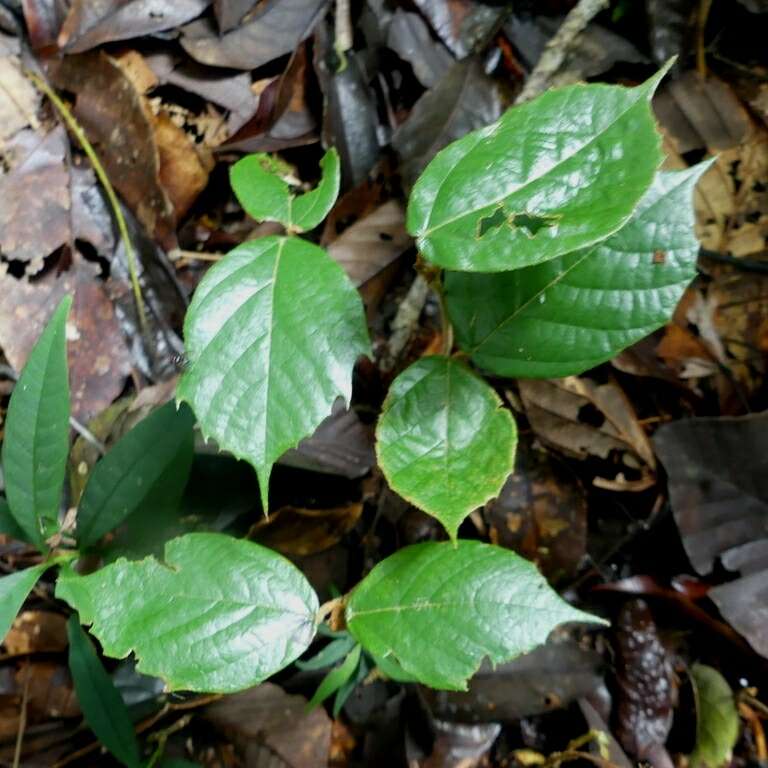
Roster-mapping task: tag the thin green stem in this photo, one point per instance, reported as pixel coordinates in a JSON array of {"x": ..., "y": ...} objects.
[{"x": 79, "y": 133}]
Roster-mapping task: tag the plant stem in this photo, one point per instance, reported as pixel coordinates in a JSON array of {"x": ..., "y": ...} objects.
[
  {"x": 77, "y": 130},
  {"x": 446, "y": 327}
]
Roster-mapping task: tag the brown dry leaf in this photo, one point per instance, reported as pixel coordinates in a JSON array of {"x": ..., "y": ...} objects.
[
  {"x": 119, "y": 124},
  {"x": 99, "y": 359},
  {"x": 19, "y": 99},
  {"x": 37, "y": 632},
  {"x": 35, "y": 198},
  {"x": 270, "y": 727},
  {"x": 298, "y": 531},
  {"x": 582, "y": 418},
  {"x": 541, "y": 513},
  {"x": 731, "y": 199}
]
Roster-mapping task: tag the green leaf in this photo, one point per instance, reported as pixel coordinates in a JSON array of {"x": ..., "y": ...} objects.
[
  {"x": 103, "y": 708},
  {"x": 439, "y": 609},
  {"x": 336, "y": 678},
  {"x": 272, "y": 335},
  {"x": 13, "y": 592},
  {"x": 559, "y": 173},
  {"x": 264, "y": 194},
  {"x": 444, "y": 441},
  {"x": 153, "y": 458},
  {"x": 36, "y": 438},
  {"x": 333, "y": 652},
  {"x": 220, "y": 615},
  {"x": 576, "y": 311},
  {"x": 8, "y": 524},
  {"x": 717, "y": 727}
]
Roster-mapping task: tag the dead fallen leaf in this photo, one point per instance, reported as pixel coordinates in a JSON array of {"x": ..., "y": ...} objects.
[
  {"x": 37, "y": 632},
  {"x": 267, "y": 724},
  {"x": 34, "y": 198},
  {"x": 19, "y": 99},
  {"x": 541, "y": 513},
  {"x": 229, "y": 13},
  {"x": 90, "y": 23},
  {"x": 43, "y": 19},
  {"x": 99, "y": 359},
  {"x": 582, "y": 418},
  {"x": 297, "y": 531}
]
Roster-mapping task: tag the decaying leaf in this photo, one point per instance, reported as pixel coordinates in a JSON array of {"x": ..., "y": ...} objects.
[
  {"x": 37, "y": 632},
  {"x": 582, "y": 419},
  {"x": 19, "y": 99}
]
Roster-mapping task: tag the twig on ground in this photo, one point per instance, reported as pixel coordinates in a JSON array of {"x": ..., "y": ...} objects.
[
  {"x": 558, "y": 47},
  {"x": 22, "y": 717},
  {"x": 405, "y": 322}
]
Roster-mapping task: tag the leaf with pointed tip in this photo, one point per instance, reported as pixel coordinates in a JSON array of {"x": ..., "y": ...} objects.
[
  {"x": 13, "y": 592},
  {"x": 556, "y": 174},
  {"x": 103, "y": 708},
  {"x": 220, "y": 615},
  {"x": 272, "y": 335},
  {"x": 36, "y": 440},
  {"x": 717, "y": 726},
  {"x": 265, "y": 195},
  {"x": 336, "y": 677},
  {"x": 444, "y": 441},
  {"x": 8, "y": 524},
  {"x": 151, "y": 457},
  {"x": 576, "y": 311},
  {"x": 439, "y": 609}
]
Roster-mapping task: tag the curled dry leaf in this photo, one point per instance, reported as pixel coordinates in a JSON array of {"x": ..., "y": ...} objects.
[
  {"x": 541, "y": 513},
  {"x": 99, "y": 360},
  {"x": 582, "y": 418}
]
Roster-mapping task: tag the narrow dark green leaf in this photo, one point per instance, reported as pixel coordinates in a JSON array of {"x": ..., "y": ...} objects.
[
  {"x": 36, "y": 438},
  {"x": 8, "y": 524},
  {"x": 153, "y": 458},
  {"x": 103, "y": 708},
  {"x": 438, "y": 609},
  {"x": 336, "y": 677},
  {"x": 576, "y": 311},
  {"x": 13, "y": 592},
  {"x": 272, "y": 335},
  {"x": 333, "y": 652},
  {"x": 559, "y": 173},
  {"x": 220, "y": 615},
  {"x": 259, "y": 183},
  {"x": 717, "y": 718},
  {"x": 444, "y": 441}
]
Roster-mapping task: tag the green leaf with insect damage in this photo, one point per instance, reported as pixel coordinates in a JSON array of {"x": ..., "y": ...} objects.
[
  {"x": 559, "y": 173},
  {"x": 576, "y": 311}
]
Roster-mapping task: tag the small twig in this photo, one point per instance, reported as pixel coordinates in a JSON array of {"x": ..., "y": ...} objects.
[
  {"x": 22, "y": 718},
  {"x": 405, "y": 321},
  {"x": 558, "y": 47},
  {"x": 87, "y": 435},
  {"x": 79, "y": 133},
  {"x": 701, "y": 24},
  {"x": 343, "y": 35}
]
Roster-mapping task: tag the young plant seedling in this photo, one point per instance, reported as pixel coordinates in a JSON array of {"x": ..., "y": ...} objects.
[{"x": 544, "y": 229}]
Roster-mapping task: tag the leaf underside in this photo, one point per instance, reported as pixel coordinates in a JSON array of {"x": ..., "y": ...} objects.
[
  {"x": 36, "y": 440},
  {"x": 438, "y": 610},
  {"x": 576, "y": 311},
  {"x": 220, "y": 615},
  {"x": 444, "y": 441},
  {"x": 551, "y": 176},
  {"x": 272, "y": 335}
]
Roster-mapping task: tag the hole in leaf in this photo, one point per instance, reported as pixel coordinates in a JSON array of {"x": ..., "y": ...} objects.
[
  {"x": 494, "y": 221},
  {"x": 589, "y": 414},
  {"x": 533, "y": 223}
]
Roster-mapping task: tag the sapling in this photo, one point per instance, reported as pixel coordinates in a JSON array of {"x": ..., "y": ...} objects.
[{"x": 554, "y": 241}]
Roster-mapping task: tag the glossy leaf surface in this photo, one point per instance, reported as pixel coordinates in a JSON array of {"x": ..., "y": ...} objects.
[
  {"x": 576, "y": 311},
  {"x": 103, "y": 707},
  {"x": 439, "y": 610},
  {"x": 559, "y": 173},
  {"x": 272, "y": 335},
  {"x": 219, "y": 615},
  {"x": 258, "y": 182},
  {"x": 14, "y": 589},
  {"x": 444, "y": 441},
  {"x": 717, "y": 728},
  {"x": 150, "y": 458},
  {"x": 36, "y": 440},
  {"x": 8, "y": 524}
]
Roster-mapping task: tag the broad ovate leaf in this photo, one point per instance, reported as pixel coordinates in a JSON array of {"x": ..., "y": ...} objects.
[
  {"x": 439, "y": 609},
  {"x": 36, "y": 440},
  {"x": 14, "y": 589},
  {"x": 103, "y": 707},
  {"x": 272, "y": 335},
  {"x": 553, "y": 175},
  {"x": 259, "y": 181},
  {"x": 155, "y": 455},
  {"x": 444, "y": 441},
  {"x": 717, "y": 726},
  {"x": 575, "y": 311},
  {"x": 219, "y": 615}
]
